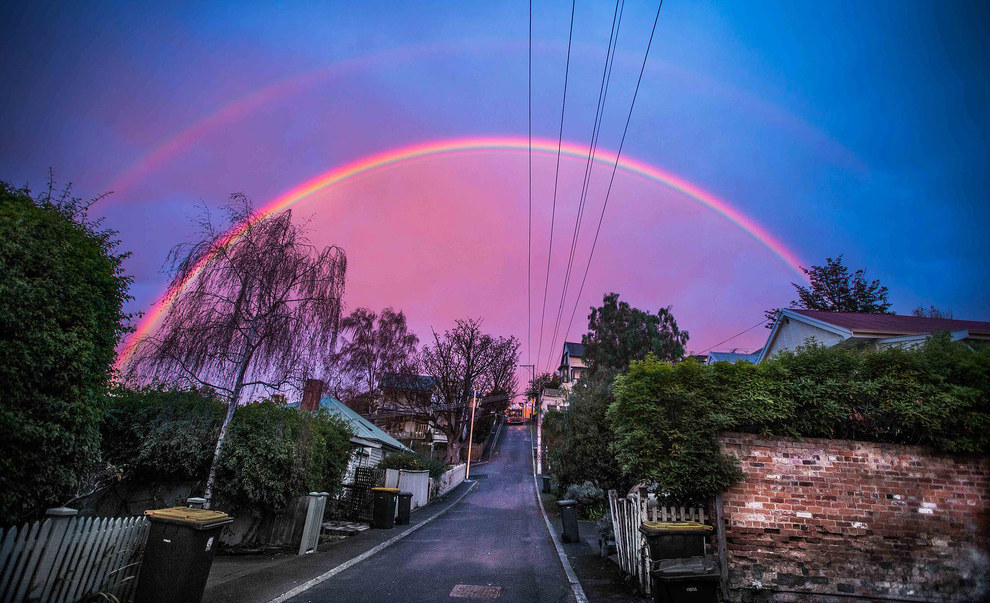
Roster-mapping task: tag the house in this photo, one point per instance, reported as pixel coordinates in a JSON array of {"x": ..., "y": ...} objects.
[
  {"x": 732, "y": 357},
  {"x": 554, "y": 399},
  {"x": 404, "y": 402},
  {"x": 795, "y": 327},
  {"x": 370, "y": 444},
  {"x": 572, "y": 366}
]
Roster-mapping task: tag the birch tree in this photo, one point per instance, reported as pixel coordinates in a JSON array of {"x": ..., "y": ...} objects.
[{"x": 253, "y": 305}]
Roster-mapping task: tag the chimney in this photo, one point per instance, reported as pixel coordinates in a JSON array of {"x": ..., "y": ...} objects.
[{"x": 312, "y": 393}]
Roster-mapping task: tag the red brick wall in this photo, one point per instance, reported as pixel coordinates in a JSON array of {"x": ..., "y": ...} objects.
[{"x": 838, "y": 517}]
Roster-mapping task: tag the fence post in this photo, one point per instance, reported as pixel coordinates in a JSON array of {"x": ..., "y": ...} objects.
[
  {"x": 60, "y": 517},
  {"x": 723, "y": 556}
]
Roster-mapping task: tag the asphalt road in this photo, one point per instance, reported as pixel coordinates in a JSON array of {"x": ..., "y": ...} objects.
[{"x": 495, "y": 537}]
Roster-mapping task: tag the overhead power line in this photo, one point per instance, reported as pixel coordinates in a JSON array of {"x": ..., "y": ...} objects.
[
  {"x": 529, "y": 236},
  {"x": 618, "y": 154},
  {"x": 553, "y": 210},
  {"x": 613, "y": 42},
  {"x": 759, "y": 324}
]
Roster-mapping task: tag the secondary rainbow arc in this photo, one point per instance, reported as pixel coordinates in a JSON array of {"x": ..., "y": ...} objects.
[{"x": 436, "y": 148}]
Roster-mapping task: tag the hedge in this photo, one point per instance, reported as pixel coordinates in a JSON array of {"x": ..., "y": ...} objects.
[
  {"x": 272, "y": 453},
  {"x": 667, "y": 418}
]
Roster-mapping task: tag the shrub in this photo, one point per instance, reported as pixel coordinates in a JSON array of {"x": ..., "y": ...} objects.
[
  {"x": 161, "y": 434},
  {"x": 591, "y": 499},
  {"x": 667, "y": 418},
  {"x": 62, "y": 290},
  {"x": 272, "y": 454},
  {"x": 414, "y": 461}
]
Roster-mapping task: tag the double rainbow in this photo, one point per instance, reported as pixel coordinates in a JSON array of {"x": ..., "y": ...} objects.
[{"x": 461, "y": 146}]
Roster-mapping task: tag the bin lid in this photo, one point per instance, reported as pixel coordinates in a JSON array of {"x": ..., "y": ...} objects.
[
  {"x": 566, "y": 503},
  {"x": 405, "y": 494},
  {"x": 650, "y": 528},
  {"x": 384, "y": 489},
  {"x": 687, "y": 567},
  {"x": 200, "y": 519}
]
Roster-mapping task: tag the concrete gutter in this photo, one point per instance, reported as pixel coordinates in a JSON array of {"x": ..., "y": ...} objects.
[{"x": 572, "y": 578}]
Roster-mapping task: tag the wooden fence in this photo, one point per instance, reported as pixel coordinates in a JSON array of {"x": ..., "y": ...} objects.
[
  {"x": 627, "y": 514},
  {"x": 68, "y": 558}
]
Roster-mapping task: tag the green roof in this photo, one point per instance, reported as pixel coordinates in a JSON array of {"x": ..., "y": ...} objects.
[{"x": 363, "y": 428}]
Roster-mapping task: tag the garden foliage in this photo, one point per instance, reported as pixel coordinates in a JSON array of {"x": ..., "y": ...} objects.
[
  {"x": 273, "y": 454},
  {"x": 158, "y": 435},
  {"x": 62, "y": 290},
  {"x": 579, "y": 440},
  {"x": 666, "y": 418},
  {"x": 414, "y": 461}
]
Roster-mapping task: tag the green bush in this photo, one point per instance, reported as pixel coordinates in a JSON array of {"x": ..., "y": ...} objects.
[
  {"x": 414, "y": 462},
  {"x": 62, "y": 291},
  {"x": 159, "y": 435},
  {"x": 666, "y": 418},
  {"x": 592, "y": 500},
  {"x": 273, "y": 454},
  {"x": 579, "y": 440}
]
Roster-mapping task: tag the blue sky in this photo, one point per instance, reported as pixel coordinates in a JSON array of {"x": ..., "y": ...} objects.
[{"x": 840, "y": 127}]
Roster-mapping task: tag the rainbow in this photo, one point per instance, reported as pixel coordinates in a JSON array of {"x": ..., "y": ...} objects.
[{"x": 460, "y": 146}]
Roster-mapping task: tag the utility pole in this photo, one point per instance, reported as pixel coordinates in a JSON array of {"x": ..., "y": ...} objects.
[{"x": 474, "y": 403}]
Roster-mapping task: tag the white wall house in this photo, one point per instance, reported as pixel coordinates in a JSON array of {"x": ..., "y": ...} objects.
[{"x": 794, "y": 328}]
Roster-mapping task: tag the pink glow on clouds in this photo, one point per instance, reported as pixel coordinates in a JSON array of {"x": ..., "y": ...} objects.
[{"x": 443, "y": 234}]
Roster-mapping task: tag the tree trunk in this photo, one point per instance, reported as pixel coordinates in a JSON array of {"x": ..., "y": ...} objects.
[
  {"x": 454, "y": 447},
  {"x": 235, "y": 395}
]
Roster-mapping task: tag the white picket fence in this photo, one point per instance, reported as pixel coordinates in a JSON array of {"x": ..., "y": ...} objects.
[
  {"x": 68, "y": 558},
  {"x": 628, "y": 513}
]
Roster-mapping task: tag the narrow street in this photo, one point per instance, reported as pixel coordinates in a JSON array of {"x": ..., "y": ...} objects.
[{"x": 495, "y": 537}]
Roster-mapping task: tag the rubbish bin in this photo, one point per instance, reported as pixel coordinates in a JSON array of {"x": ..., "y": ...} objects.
[
  {"x": 569, "y": 517},
  {"x": 691, "y": 580},
  {"x": 383, "y": 508},
  {"x": 179, "y": 553},
  {"x": 546, "y": 484},
  {"x": 405, "y": 504},
  {"x": 676, "y": 539}
]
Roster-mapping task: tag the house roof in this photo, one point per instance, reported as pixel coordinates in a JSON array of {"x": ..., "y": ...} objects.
[
  {"x": 893, "y": 324},
  {"x": 733, "y": 357},
  {"x": 413, "y": 382},
  {"x": 575, "y": 350},
  {"x": 363, "y": 428}
]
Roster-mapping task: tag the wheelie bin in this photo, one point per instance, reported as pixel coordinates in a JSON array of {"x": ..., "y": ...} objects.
[
  {"x": 569, "y": 518},
  {"x": 405, "y": 505},
  {"x": 690, "y": 580},
  {"x": 383, "y": 508},
  {"x": 675, "y": 539},
  {"x": 179, "y": 554}
]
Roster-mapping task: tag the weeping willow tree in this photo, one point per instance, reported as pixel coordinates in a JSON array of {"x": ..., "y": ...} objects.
[{"x": 253, "y": 304}]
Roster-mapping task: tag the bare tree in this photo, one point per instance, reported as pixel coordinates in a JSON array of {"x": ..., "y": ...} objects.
[
  {"x": 254, "y": 305},
  {"x": 376, "y": 345},
  {"x": 461, "y": 361}
]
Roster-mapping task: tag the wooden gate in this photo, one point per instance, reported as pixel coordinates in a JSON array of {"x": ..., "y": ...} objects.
[{"x": 628, "y": 513}]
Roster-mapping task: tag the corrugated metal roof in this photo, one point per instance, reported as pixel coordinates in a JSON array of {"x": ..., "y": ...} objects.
[
  {"x": 363, "y": 428},
  {"x": 732, "y": 357},
  {"x": 894, "y": 324}
]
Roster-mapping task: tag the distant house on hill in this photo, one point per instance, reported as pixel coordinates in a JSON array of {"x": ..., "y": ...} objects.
[
  {"x": 572, "y": 366},
  {"x": 370, "y": 443},
  {"x": 794, "y": 328},
  {"x": 404, "y": 410}
]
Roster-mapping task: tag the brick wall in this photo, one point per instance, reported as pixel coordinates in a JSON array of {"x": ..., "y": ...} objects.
[{"x": 837, "y": 517}]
